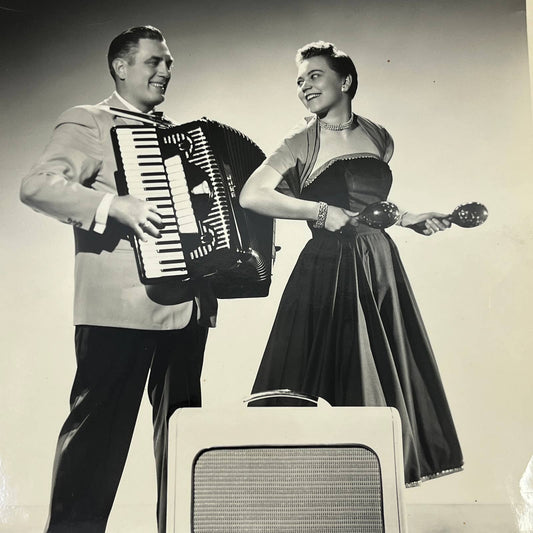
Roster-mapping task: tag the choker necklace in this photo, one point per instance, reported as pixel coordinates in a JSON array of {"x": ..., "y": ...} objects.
[{"x": 337, "y": 127}]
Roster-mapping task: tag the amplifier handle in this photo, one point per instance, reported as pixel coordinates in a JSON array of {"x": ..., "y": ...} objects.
[{"x": 286, "y": 393}]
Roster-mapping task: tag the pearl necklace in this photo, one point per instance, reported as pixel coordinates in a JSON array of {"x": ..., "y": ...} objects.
[{"x": 336, "y": 127}]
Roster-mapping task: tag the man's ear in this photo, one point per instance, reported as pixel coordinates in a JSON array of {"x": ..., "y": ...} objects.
[{"x": 119, "y": 66}]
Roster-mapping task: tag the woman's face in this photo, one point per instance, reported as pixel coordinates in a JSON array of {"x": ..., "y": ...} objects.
[{"x": 319, "y": 87}]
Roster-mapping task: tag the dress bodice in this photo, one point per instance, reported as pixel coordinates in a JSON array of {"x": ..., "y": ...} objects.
[{"x": 351, "y": 182}]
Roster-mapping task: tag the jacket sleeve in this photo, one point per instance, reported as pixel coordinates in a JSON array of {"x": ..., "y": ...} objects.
[{"x": 60, "y": 183}]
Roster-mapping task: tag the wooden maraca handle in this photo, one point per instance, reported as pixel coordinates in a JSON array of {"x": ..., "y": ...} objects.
[{"x": 421, "y": 226}]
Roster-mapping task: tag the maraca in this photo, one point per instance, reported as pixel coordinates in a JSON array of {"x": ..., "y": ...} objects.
[
  {"x": 379, "y": 215},
  {"x": 467, "y": 215}
]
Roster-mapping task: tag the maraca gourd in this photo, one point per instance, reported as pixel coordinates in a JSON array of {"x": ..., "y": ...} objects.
[
  {"x": 469, "y": 215},
  {"x": 379, "y": 215}
]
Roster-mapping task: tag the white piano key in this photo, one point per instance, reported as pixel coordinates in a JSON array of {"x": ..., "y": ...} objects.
[
  {"x": 184, "y": 211},
  {"x": 179, "y": 182},
  {"x": 154, "y": 273},
  {"x": 181, "y": 202},
  {"x": 179, "y": 187},
  {"x": 153, "y": 261},
  {"x": 138, "y": 139},
  {"x": 133, "y": 157},
  {"x": 190, "y": 227},
  {"x": 150, "y": 195},
  {"x": 161, "y": 248},
  {"x": 138, "y": 177},
  {"x": 154, "y": 255},
  {"x": 141, "y": 166},
  {"x": 134, "y": 171},
  {"x": 156, "y": 268},
  {"x": 139, "y": 145},
  {"x": 166, "y": 211},
  {"x": 135, "y": 160},
  {"x": 154, "y": 244},
  {"x": 140, "y": 148},
  {"x": 174, "y": 165},
  {"x": 144, "y": 130},
  {"x": 180, "y": 192},
  {"x": 185, "y": 216}
]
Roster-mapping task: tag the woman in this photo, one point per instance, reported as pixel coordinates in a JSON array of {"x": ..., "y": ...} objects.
[{"x": 348, "y": 329}]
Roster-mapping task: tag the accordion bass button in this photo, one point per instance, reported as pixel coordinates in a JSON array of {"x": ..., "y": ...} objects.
[
  {"x": 202, "y": 188},
  {"x": 207, "y": 238}
]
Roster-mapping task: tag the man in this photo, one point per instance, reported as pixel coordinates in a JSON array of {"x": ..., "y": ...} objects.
[{"x": 125, "y": 332}]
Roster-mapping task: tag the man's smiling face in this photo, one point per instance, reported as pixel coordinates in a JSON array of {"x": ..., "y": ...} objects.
[{"x": 146, "y": 74}]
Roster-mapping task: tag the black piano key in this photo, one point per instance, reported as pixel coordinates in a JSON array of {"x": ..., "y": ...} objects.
[
  {"x": 169, "y": 250},
  {"x": 171, "y": 262},
  {"x": 160, "y": 242}
]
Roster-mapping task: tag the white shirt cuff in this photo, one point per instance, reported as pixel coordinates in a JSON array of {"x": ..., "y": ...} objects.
[{"x": 102, "y": 212}]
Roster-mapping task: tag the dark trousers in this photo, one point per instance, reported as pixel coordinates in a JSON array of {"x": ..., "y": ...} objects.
[{"x": 113, "y": 365}]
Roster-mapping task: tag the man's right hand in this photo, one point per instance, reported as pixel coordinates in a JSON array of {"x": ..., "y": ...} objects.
[{"x": 137, "y": 215}]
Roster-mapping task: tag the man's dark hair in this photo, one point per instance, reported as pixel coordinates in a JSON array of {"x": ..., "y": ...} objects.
[
  {"x": 125, "y": 44},
  {"x": 339, "y": 61}
]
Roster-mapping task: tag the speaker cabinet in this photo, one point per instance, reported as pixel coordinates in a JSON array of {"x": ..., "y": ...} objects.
[{"x": 285, "y": 470}]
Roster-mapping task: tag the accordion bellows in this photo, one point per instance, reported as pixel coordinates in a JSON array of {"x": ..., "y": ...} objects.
[{"x": 193, "y": 173}]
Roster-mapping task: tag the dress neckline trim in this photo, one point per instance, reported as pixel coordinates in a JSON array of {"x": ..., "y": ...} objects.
[{"x": 322, "y": 168}]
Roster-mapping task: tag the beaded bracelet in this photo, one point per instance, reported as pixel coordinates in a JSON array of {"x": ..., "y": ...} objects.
[{"x": 322, "y": 214}]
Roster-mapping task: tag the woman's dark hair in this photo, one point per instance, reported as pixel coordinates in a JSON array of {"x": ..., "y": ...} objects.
[
  {"x": 126, "y": 43},
  {"x": 339, "y": 61}
]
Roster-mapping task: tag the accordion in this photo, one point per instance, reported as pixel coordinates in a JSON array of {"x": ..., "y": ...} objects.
[{"x": 193, "y": 174}]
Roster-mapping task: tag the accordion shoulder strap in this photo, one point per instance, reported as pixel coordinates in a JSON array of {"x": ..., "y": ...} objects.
[{"x": 133, "y": 115}]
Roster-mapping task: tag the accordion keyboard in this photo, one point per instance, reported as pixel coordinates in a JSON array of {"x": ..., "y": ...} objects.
[{"x": 162, "y": 184}]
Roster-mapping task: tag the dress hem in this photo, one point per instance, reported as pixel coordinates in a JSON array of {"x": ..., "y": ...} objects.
[{"x": 434, "y": 476}]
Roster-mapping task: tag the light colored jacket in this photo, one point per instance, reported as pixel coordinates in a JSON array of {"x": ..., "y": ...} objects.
[{"x": 68, "y": 183}]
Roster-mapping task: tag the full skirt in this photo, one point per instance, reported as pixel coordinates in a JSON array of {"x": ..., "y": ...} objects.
[{"x": 348, "y": 330}]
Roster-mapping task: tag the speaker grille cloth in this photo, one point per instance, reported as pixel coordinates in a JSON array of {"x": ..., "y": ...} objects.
[{"x": 288, "y": 489}]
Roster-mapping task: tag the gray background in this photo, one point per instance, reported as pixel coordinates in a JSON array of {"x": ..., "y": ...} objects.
[{"x": 450, "y": 82}]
